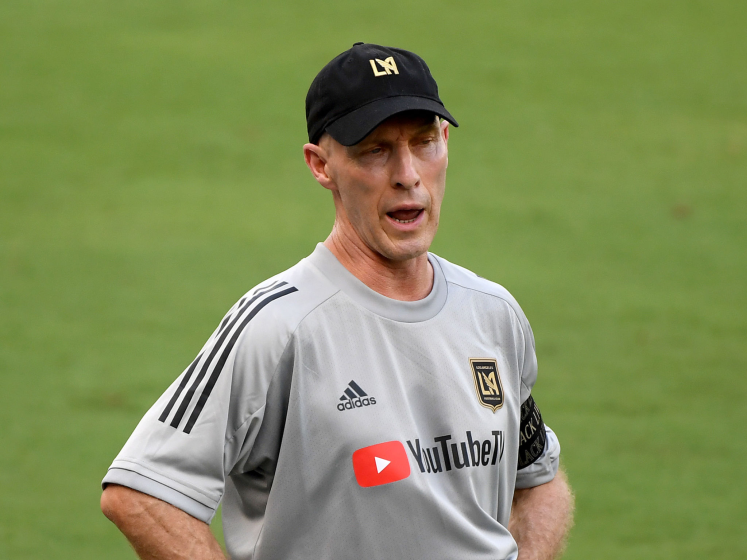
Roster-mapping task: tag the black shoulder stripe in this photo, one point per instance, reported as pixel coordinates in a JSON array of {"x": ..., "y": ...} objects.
[
  {"x": 179, "y": 389},
  {"x": 230, "y": 314},
  {"x": 263, "y": 288},
  {"x": 532, "y": 437},
  {"x": 188, "y": 375},
  {"x": 224, "y": 356},
  {"x": 206, "y": 364},
  {"x": 258, "y": 292}
]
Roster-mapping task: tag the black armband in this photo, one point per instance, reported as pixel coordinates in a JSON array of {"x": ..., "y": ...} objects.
[{"x": 532, "y": 437}]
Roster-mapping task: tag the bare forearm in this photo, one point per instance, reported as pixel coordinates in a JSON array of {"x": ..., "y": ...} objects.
[
  {"x": 157, "y": 530},
  {"x": 541, "y": 518}
]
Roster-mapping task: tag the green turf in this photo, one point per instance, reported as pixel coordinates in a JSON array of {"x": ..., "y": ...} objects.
[{"x": 151, "y": 172}]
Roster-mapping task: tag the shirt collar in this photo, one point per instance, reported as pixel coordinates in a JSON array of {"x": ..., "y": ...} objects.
[{"x": 396, "y": 310}]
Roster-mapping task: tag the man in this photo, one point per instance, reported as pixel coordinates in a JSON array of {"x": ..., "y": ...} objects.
[{"x": 374, "y": 400}]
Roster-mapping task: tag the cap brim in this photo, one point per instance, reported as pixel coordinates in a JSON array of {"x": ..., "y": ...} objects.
[{"x": 350, "y": 129}]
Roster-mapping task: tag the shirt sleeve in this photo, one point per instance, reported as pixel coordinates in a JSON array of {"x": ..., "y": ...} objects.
[
  {"x": 545, "y": 467},
  {"x": 181, "y": 468},
  {"x": 186, "y": 445},
  {"x": 542, "y": 466}
]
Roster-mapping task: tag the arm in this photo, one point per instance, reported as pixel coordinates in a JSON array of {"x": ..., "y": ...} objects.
[
  {"x": 157, "y": 530},
  {"x": 541, "y": 518}
]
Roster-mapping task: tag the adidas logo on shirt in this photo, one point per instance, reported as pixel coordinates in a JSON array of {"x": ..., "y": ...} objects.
[{"x": 354, "y": 397}]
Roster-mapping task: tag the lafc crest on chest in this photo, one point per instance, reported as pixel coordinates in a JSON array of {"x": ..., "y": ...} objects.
[{"x": 487, "y": 382}]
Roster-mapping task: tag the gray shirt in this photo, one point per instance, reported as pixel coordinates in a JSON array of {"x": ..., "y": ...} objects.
[{"x": 333, "y": 422}]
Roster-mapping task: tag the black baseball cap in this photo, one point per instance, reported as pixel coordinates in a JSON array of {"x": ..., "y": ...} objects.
[{"x": 364, "y": 86}]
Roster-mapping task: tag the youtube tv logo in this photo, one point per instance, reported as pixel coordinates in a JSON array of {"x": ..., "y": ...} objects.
[{"x": 381, "y": 464}]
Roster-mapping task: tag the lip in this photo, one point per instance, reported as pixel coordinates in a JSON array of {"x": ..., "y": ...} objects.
[{"x": 408, "y": 226}]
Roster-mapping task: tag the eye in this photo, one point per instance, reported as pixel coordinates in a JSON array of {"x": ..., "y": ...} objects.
[{"x": 375, "y": 151}]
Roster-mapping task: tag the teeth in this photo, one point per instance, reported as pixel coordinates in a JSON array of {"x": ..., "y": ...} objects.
[{"x": 405, "y": 221}]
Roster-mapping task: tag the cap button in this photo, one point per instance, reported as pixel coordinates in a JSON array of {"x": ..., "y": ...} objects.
[{"x": 358, "y": 43}]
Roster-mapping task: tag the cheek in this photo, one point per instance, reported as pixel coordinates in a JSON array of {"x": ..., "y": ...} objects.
[
  {"x": 361, "y": 201},
  {"x": 437, "y": 183}
]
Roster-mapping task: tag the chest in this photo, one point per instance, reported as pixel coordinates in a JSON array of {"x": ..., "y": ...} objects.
[{"x": 447, "y": 390}]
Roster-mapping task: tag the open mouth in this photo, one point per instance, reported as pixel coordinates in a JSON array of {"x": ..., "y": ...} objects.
[{"x": 405, "y": 216}]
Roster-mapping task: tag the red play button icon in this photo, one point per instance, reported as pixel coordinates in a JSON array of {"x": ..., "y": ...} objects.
[{"x": 381, "y": 464}]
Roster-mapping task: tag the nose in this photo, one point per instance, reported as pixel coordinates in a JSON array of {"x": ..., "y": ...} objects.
[{"x": 404, "y": 172}]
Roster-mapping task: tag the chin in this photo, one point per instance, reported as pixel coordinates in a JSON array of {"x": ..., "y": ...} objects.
[{"x": 406, "y": 250}]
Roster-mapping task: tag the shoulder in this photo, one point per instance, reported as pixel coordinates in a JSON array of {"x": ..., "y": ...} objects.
[
  {"x": 503, "y": 305},
  {"x": 271, "y": 311},
  {"x": 459, "y": 276},
  {"x": 253, "y": 336}
]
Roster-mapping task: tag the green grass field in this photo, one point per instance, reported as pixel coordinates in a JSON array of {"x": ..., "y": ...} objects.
[{"x": 151, "y": 172}]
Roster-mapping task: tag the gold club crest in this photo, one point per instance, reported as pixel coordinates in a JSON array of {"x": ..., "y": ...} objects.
[{"x": 487, "y": 382}]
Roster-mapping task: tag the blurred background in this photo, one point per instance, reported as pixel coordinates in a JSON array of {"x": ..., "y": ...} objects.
[{"x": 151, "y": 173}]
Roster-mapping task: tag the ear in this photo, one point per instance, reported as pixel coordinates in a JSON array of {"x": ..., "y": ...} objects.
[
  {"x": 445, "y": 130},
  {"x": 316, "y": 160},
  {"x": 445, "y": 134}
]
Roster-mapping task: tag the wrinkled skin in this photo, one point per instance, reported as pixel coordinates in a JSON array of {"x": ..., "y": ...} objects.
[{"x": 387, "y": 192}]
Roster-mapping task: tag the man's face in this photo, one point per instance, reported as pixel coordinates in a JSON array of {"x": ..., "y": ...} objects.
[{"x": 389, "y": 187}]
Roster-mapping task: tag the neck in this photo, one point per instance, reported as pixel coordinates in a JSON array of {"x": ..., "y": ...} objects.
[{"x": 408, "y": 280}]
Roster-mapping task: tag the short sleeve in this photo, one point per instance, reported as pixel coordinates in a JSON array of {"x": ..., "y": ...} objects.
[
  {"x": 189, "y": 441},
  {"x": 544, "y": 468},
  {"x": 170, "y": 460},
  {"x": 529, "y": 364}
]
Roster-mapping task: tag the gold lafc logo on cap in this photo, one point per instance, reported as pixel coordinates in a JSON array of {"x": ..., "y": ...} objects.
[
  {"x": 387, "y": 64},
  {"x": 487, "y": 382}
]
